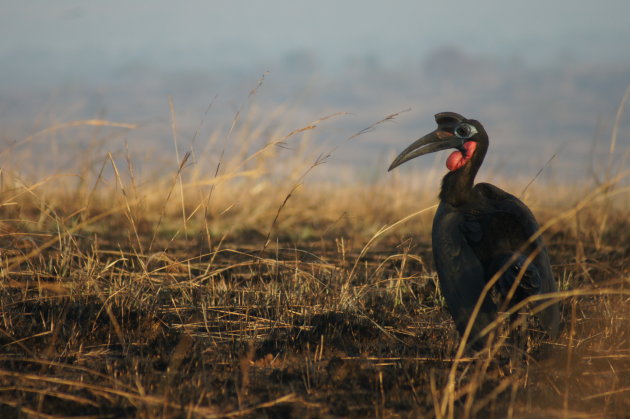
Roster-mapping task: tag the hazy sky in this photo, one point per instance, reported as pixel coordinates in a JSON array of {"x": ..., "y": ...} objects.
[
  {"x": 236, "y": 32},
  {"x": 563, "y": 64}
]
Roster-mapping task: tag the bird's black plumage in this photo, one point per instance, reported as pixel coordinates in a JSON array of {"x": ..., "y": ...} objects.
[{"x": 479, "y": 230}]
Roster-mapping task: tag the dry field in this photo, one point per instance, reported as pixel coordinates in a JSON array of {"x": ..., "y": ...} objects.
[{"x": 236, "y": 284}]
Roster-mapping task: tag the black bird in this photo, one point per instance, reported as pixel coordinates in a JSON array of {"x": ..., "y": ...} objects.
[{"x": 479, "y": 229}]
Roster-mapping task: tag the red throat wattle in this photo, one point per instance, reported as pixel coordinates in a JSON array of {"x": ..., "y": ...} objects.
[{"x": 457, "y": 160}]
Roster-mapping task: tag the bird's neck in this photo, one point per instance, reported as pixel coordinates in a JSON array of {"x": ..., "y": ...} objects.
[{"x": 457, "y": 185}]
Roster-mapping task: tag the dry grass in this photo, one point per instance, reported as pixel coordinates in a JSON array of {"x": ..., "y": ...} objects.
[{"x": 233, "y": 285}]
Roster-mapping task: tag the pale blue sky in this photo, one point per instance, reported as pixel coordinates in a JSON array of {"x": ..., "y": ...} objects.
[{"x": 236, "y": 32}]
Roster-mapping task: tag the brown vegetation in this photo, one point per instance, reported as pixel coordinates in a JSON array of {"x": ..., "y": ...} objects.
[{"x": 235, "y": 286}]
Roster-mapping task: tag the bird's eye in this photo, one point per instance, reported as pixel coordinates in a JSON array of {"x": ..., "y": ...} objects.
[{"x": 465, "y": 130}]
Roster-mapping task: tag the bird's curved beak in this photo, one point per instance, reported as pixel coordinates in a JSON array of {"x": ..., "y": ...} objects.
[{"x": 430, "y": 143}]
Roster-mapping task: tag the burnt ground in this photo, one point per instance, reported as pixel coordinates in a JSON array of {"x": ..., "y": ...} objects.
[{"x": 91, "y": 328}]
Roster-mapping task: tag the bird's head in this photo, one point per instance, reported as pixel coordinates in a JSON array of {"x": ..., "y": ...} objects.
[{"x": 453, "y": 131}]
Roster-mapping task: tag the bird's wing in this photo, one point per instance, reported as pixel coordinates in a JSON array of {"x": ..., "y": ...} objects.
[
  {"x": 527, "y": 275},
  {"x": 459, "y": 270},
  {"x": 522, "y": 217},
  {"x": 509, "y": 204}
]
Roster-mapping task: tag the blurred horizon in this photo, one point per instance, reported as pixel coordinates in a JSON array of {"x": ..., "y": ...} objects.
[{"x": 543, "y": 78}]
